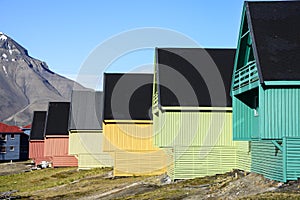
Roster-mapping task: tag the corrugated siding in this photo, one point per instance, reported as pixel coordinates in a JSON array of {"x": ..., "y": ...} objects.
[
  {"x": 88, "y": 161},
  {"x": 64, "y": 161},
  {"x": 56, "y": 146},
  {"x": 244, "y": 155},
  {"x": 36, "y": 149},
  {"x": 243, "y": 120},
  {"x": 193, "y": 128},
  {"x": 266, "y": 160},
  {"x": 88, "y": 148},
  {"x": 128, "y": 137},
  {"x": 85, "y": 142},
  {"x": 139, "y": 163},
  {"x": 281, "y": 113},
  {"x": 195, "y": 161},
  {"x": 293, "y": 158}
]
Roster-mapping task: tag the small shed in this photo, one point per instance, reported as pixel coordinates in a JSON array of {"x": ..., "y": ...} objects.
[
  {"x": 13, "y": 143},
  {"x": 57, "y": 135},
  {"x": 192, "y": 112},
  {"x": 36, "y": 138},
  {"x": 85, "y": 130},
  {"x": 266, "y": 87},
  {"x": 128, "y": 126}
]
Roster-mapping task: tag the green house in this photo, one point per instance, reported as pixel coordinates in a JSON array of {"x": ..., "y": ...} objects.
[
  {"x": 192, "y": 113},
  {"x": 266, "y": 87}
]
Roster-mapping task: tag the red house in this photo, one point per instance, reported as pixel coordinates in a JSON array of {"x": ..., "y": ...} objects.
[
  {"x": 56, "y": 143},
  {"x": 36, "y": 142}
]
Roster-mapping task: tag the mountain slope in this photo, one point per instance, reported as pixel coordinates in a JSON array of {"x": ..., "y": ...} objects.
[{"x": 27, "y": 84}]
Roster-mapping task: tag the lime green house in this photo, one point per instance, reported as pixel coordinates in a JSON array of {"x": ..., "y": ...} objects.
[{"x": 192, "y": 113}]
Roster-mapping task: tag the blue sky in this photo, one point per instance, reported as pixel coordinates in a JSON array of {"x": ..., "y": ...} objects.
[{"x": 63, "y": 33}]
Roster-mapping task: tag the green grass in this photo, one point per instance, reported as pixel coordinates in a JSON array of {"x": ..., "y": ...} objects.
[{"x": 46, "y": 178}]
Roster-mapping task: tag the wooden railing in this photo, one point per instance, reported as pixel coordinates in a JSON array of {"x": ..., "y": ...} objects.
[{"x": 245, "y": 75}]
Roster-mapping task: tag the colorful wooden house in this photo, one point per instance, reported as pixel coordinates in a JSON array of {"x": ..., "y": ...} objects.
[
  {"x": 36, "y": 139},
  {"x": 128, "y": 126},
  {"x": 192, "y": 112},
  {"x": 85, "y": 130},
  {"x": 13, "y": 143},
  {"x": 57, "y": 135},
  {"x": 266, "y": 87}
]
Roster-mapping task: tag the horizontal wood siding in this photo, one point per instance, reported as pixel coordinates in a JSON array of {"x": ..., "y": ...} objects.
[
  {"x": 64, "y": 161},
  {"x": 192, "y": 162},
  {"x": 88, "y": 161},
  {"x": 139, "y": 163},
  {"x": 266, "y": 160},
  {"x": 244, "y": 155},
  {"x": 293, "y": 158},
  {"x": 36, "y": 149}
]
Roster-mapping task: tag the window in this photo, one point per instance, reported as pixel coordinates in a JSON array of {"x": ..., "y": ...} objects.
[
  {"x": 2, "y": 149},
  {"x": 12, "y": 136},
  {"x": 3, "y": 136},
  {"x": 11, "y": 148}
]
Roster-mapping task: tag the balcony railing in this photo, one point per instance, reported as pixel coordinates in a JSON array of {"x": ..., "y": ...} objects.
[{"x": 245, "y": 75}]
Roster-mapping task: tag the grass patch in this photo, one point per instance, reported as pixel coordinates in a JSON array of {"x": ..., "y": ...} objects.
[{"x": 46, "y": 178}]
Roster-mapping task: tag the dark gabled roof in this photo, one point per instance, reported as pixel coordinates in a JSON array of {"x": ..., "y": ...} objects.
[
  {"x": 86, "y": 110},
  {"x": 183, "y": 75},
  {"x": 275, "y": 32},
  {"x": 57, "y": 118},
  {"x": 127, "y": 96},
  {"x": 38, "y": 125}
]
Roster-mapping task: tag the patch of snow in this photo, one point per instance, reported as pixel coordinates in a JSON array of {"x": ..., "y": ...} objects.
[
  {"x": 1, "y": 33},
  {"x": 10, "y": 51},
  {"x": 4, "y": 69},
  {"x": 13, "y": 60},
  {"x": 3, "y": 37},
  {"x": 4, "y": 55}
]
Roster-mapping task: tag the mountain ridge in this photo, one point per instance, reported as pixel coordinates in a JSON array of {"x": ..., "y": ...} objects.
[{"x": 27, "y": 84}]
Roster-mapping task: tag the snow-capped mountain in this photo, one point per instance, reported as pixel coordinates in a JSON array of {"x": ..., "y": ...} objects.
[{"x": 27, "y": 84}]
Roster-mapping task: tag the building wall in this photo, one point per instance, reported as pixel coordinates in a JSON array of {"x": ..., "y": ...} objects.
[
  {"x": 131, "y": 146},
  {"x": 267, "y": 160},
  {"x": 20, "y": 147},
  {"x": 243, "y": 120},
  {"x": 193, "y": 129},
  {"x": 139, "y": 163},
  {"x": 293, "y": 158},
  {"x": 128, "y": 136},
  {"x": 87, "y": 146},
  {"x": 57, "y": 149},
  {"x": 36, "y": 149},
  {"x": 281, "y": 113}
]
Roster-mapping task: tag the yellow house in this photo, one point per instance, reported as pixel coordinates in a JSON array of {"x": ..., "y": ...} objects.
[
  {"x": 85, "y": 130},
  {"x": 128, "y": 125}
]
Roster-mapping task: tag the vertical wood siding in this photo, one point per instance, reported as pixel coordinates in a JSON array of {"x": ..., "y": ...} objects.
[
  {"x": 128, "y": 137},
  {"x": 193, "y": 129},
  {"x": 243, "y": 120},
  {"x": 57, "y": 148},
  {"x": 87, "y": 146},
  {"x": 281, "y": 113},
  {"x": 36, "y": 149}
]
